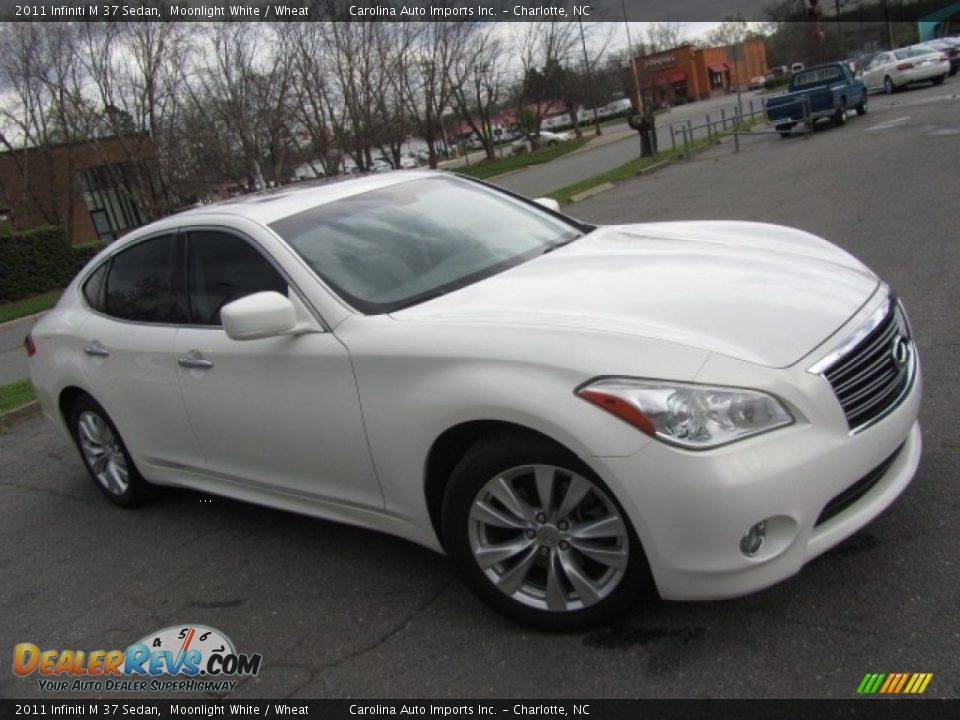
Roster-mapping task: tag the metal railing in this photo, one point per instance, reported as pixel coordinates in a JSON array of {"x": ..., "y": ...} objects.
[{"x": 683, "y": 135}]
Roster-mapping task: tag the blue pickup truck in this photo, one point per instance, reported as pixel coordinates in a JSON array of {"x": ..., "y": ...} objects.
[{"x": 830, "y": 89}]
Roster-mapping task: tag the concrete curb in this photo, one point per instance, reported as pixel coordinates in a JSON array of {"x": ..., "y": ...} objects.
[
  {"x": 655, "y": 167},
  {"x": 609, "y": 186},
  {"x": 508, "y": 173},
  {"x": 19, "y": 415},
  {"x": 11, "y": 323},
  {"x": 591, "y": 192}
]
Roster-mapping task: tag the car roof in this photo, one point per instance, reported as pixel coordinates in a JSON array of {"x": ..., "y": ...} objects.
[{"x": 268, "y": 206}]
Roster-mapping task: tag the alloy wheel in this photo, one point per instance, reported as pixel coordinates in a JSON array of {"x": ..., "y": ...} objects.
[
  {"x": 548, "y": 538},
  {"x": 103, "y": 453}
]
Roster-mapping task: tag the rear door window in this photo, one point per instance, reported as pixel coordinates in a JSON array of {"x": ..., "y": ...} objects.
[
  {"x": 93, "y": 287},
  {"x": 145, "y": 282}
]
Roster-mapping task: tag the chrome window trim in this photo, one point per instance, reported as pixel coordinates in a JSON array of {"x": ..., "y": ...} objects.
[{"x": 184, "y": 230}]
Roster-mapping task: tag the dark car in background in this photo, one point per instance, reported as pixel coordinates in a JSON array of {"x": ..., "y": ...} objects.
[{"x": 951, "y": 50}]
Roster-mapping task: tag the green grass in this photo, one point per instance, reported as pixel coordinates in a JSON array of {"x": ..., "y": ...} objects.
[
  {"x": 618, "y": 174},
  {"x": 635, "y": 167},
  {"x": 488, "y": 168},
  {"x": 29, "y": 306},
  {"x": 15, "y": 394}
]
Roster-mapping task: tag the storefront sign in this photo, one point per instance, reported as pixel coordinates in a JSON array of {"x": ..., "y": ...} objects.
[{"x": 659, "y": 62}]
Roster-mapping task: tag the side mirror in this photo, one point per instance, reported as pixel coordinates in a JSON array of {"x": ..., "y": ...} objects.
[
  {"x": 548, "y": 203},
  {"x": 261, "y": 315}
]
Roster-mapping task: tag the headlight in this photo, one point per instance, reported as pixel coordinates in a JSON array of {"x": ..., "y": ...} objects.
[{"x": 696, "y": 417}]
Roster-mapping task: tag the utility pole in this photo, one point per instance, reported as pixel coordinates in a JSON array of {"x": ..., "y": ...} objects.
[
  {"x": 633, "y": 64},
  {"x": 843, "y": 45},
  {"x": 586, "y": 67},
  {"x": 886, "y": 19}
]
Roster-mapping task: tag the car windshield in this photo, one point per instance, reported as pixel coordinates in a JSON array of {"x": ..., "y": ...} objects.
[{"x": 406, "y": 243}]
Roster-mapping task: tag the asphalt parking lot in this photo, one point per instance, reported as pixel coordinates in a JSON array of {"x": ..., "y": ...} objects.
[{"x": 341, "y": 612}]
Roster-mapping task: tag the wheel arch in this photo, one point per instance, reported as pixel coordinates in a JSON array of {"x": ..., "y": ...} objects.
[
  {"x": 450, "y": 446},
  {"x": 65, "y": 400}
]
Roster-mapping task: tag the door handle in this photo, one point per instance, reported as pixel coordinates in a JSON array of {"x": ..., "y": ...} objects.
[
  {"x": 195, "y": 361},
  {"x": 96, "y": 349}
]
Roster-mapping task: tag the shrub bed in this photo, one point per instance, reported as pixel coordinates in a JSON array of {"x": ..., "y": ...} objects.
[{"x": 36, "y": 261}]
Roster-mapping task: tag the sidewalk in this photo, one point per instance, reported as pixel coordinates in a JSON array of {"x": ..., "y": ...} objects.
[{"x": 13, "y": 358}]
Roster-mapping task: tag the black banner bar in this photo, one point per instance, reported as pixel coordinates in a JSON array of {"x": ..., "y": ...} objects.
[
  {"x": 434, "y": 10},
  {"x": 866, "y": 709}
]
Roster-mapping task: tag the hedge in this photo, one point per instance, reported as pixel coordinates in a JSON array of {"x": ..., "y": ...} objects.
[{"x": 39, "y": 260}]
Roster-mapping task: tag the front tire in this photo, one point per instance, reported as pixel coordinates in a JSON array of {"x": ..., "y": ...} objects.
[
  {"x": 539, "y": 537},
  {"x": 105, "y": 455}
]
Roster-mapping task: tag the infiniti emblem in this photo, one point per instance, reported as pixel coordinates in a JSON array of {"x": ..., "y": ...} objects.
[{"x": 900, "y": 350}]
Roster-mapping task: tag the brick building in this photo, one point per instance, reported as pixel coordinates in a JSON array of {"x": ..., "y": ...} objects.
[
  {"x": 694, "y": 73},
  {"x": 90, "y": 188}
]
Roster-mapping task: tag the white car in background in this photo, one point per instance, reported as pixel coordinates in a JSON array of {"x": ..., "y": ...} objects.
[
  {"x": 895, "y": 69},
  {"x": 574, "y": 413},
  {"x": 544, "y": 140}
]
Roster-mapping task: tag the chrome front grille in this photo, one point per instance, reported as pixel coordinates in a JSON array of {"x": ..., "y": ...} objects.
[{"x": 872, "y": 377}]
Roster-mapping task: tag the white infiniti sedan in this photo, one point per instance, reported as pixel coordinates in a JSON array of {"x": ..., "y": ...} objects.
[{"x": 575, "y": 414}]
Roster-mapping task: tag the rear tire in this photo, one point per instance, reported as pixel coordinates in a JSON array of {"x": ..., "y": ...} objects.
[
  {"x": 938, "y": 80},
  {"x": 539, "y": 537},
  {"x": 862, "y": 105},
  {"x": 840, "y": 116},
  {"x": 785, "y": 130},
  {"x": 105, "y": 455},
  {"x": 888, "y": 87}
]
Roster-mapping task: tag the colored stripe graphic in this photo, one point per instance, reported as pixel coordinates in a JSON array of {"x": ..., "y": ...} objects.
[
  {"x": 899, "y": 686},
  {"x": 870, "y": 683},
  {"x": 894, "y": 683}
]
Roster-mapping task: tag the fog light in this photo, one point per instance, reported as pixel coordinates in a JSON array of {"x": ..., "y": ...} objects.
[{"x": 752, "y": 540}]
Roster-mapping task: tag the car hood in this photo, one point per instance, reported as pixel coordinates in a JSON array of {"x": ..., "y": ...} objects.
[{"x": 761, "y": 293}]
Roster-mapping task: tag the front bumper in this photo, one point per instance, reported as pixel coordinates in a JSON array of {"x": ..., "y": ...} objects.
[{"x": 691, "y": 509}]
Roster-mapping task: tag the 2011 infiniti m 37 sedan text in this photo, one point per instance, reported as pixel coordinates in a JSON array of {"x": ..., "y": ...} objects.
[{"x": 575, "y": 414}]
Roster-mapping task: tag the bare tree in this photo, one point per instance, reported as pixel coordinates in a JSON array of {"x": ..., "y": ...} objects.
[
  {"x": 315, "y": 107},
  {"x": 544, "y": 51},
  {"x": 732, "y": 30},
  {"x": 395, "y": 120},
  {"x": 663, "y": 36},
  {"x": 45, "y": 83},
  {"x": 132, "y": 71},
  {"x": 423, "y": 62},
  {"x": 477, "y": 83},
  {"x": 358, "y": 79},
  {"x": 25, "y": 114},
  {"x": 246, "y": 86}
]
